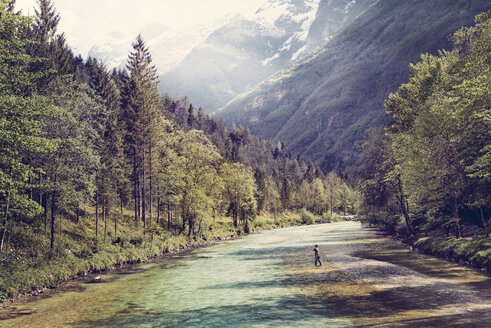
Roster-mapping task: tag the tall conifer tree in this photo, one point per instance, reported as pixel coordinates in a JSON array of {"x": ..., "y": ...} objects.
[
  {"x": 21, "y": 113},
  {"x": 140, "y": 101}
]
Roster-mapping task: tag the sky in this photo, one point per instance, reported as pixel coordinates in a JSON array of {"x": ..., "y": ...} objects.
[{"x": 86, "y": 22}]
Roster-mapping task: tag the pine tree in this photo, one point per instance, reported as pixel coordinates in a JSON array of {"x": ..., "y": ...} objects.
[
  {"x": 58, "y": 59},
  {"x": 46, "y": 21},
  {"x": 141, "y": 103},
  {"x": 21, "y": 119}
]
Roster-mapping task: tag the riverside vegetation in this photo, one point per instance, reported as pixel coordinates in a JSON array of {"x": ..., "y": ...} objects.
[
  {"x": 98, "y": 169},
  {"x": 428, "y": 177}
]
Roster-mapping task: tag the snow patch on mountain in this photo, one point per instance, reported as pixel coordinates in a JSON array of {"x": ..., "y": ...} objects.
[
  {"x": 293, "y": 18},
  {"x": 298, "y": 53},
  {"x": 297, "y": 10},
  {"x": 348, "y": 6}
]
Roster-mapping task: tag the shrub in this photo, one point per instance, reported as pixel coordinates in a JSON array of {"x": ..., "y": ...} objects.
[{"x": 307, "y": 217}]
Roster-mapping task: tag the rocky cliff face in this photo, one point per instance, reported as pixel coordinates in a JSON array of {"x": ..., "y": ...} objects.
[{"x": 332, "y": 16}]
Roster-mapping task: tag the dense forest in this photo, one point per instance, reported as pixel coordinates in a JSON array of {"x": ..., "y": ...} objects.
[
  {"x": 97, "y": 168},
  {"x": 431, "y": 168}
]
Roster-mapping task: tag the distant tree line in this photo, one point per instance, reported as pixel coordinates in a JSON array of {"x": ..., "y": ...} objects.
[
  {"x": 432, "y": 167},
  {"x": 74, "y": 134}
]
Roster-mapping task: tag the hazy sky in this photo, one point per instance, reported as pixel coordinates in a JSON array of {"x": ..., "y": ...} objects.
[{"x": 85, "y": 22}]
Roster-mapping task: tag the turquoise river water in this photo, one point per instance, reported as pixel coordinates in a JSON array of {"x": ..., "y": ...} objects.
[{"x": 269, "y": 280}]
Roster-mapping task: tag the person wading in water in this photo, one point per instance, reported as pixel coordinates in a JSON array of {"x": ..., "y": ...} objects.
[{"x": 317, "y": 256}]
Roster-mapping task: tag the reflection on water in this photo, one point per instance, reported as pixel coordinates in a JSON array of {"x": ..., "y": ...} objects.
[{"x": 268, "y": 280}]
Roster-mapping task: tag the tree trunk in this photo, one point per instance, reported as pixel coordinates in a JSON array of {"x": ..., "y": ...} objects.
[
  {"x": 96, "y": 214},
  {"x": 139, "y": 199},
  {"x": 135, "y": 189},
  {"x": 168, "y": 215},
  {"x": 331, "y": 202},
  {"x": 30, "y": 187},
  {"x": 5, "y": 223},
  {"x": 40, "y": 201},
  {"x": 458, "y": 230},
  {"x": 144, "y": 219},
  {"x": 121, "y": 204},
  {"x": 150, "y": 199},
  {"x": 116, "y": 217},
  {"x": 45, "y": 206},
  {"x": 183, "y": 227},
  {"x": 53, "y": 210},
  {"x": 158, "y": 210},
  {"x": 104, "y": 219},
  {"x": 483, "y": 220},
  {"x": 199, "y": 226},
  {"x": 60, "y": 226},
  {"x": 404, "y": 209},
  {"x": 190, "y": 224}
]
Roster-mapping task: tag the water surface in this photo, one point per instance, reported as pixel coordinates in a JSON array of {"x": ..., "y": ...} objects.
[{"x": 269, "y": 280}]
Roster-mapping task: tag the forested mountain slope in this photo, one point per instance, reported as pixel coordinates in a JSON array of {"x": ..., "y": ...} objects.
[{"x": 322, "y": 107}]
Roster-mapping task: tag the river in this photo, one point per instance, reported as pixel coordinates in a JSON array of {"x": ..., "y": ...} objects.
[{"x": 269, "y": 280}]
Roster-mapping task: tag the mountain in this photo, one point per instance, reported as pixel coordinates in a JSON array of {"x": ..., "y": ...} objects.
[
  {"x": 214, "y": 62},
  {"x": 245, "y": 52},
  {"x": 168, "y": 46},
  {"x": 241, "y": 54},
  {"x": 322, "y": 107},
  {"x": 332, "y": 16}
]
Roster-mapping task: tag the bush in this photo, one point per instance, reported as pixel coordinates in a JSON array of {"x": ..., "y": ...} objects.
[{"x": 307, "y": 217}]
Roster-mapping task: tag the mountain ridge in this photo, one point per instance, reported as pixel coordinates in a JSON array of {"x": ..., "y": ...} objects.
[
  {"x": 278, "y": 36},
  {"x": 322, "y": 107}
]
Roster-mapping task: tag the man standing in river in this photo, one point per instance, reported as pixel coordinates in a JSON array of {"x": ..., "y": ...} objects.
[{"x": 317, "y": 256}]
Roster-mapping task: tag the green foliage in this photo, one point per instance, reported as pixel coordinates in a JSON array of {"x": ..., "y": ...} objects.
[
  {"x": 477, "y": 251},
  {"x": 23, "y": 271},
  {"x": 430, "y": 166},
  {"x": 82, "y": 148},
  {"x": 21, "y": 120},
  {"x": 307, "y": 217},
  {"x": 240, "y": 189}
]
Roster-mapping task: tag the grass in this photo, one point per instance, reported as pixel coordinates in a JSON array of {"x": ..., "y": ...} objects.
[{"x": 476, "y": 252}]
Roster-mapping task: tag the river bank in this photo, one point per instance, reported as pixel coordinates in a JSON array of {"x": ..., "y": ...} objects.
[{"x": 473, "y": 250}]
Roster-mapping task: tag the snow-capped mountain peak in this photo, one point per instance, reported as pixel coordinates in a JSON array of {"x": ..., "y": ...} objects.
[
  {"x": 273, "y": 10},
  {"x": 293, "y": 18}
]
